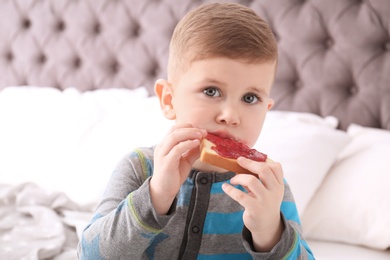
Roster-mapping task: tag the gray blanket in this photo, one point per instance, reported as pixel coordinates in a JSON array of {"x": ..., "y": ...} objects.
[{"x": 39, "y": 224}]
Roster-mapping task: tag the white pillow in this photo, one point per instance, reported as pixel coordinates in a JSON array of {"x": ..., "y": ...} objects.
[
  {"x": 306, "y": 145},
  {"x": 66, "y": 140},
  {"x": 353, "y": 203}
]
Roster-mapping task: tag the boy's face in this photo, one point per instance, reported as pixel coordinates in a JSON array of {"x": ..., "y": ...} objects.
[{"x": 223, "y": 95}]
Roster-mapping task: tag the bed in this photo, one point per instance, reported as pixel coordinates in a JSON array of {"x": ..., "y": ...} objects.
[{"x": 74, "y": 76}]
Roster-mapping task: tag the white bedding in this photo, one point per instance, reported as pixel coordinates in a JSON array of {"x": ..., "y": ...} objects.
[
  {"x": 325, "y": 250},
  {"x": 39, "y": 224},
  {"x": 58, "y": 149}
]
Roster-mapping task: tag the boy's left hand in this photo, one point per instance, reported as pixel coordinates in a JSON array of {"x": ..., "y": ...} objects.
[{"x": 261, "y": 202}]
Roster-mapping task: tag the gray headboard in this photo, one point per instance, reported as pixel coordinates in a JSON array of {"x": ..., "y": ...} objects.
[{"x": 334, "y": 54}]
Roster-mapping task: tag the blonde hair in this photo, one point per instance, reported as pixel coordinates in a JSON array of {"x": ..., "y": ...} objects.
[{"x": 220, "y": 30}]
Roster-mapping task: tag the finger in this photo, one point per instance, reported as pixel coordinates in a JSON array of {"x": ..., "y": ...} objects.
[
  {"x": 187, "y": 125},
  {"x": 178, "y": 136},
  {"x": 249, "y": 164},
  {"x": 192, "y": 154},
  {"x": 278, "y": 171},
  {"x": 180, "y": 125},
  {"x": 251, "y": 183},
  {"x": 269, "y": 172},
  {"x": 183, "y": 150},
  {"x": 241, "y": 197}
]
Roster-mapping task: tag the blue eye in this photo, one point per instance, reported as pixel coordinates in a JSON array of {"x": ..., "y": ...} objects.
[
  {"x": 212, "y": 92},
  {"x": 250, "y": 98}
]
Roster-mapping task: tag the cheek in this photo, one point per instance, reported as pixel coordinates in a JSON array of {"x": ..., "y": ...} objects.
[
  {"x": 193, "y": 114},
  {"x": 253, "y": 136},
  {"x": 254, "y": 126}
]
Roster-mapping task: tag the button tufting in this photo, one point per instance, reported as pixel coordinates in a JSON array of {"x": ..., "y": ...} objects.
[
  {"x": 135, "y": 30},
  {"x": 277, "y": 38},
  {"x": 298, "y": 84},
  {"x": 41, "y": 58},
  {"x": 60, "y": 26},
  {"x": 353, "y": 90},
  {"x": 153, "y": 71},
  {"x": 115, "y": 67},
  {"x": 9, "y": 56},
  {"x": 247, "y": 2},
  {"x": 328, "y": 42},
  {"x": 23, "y": 82},
  {"x": 97, "y": 28},
  {"x": 77, "y": 62},
  {"x": 26, "y": 23}
]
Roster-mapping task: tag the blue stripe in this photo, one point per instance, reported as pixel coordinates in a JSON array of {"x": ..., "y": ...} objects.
[
  {"x": 90, "y": 250},
  {"x": 184, "y": 196},
  {"x": 216, "y": 188},
  {"x": 224, "y": 257},
  {"x": 223, "y": 223},
  {"x": 290, "y": 212},
  {"x": 296, "y": 251},
  {"x": 306, "y": 246}
]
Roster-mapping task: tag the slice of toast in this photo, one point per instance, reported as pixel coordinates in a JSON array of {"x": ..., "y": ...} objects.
[{"x": 210, "y": 156}]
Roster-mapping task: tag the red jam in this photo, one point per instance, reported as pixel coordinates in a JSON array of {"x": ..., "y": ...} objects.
[{"x": 230, "y": 148}]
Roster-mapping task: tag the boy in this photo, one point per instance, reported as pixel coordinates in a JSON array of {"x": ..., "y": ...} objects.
[{"x": 163, "y": 202}]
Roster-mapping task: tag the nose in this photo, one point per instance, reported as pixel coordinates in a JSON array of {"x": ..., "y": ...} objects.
[{"x": 229, "y": 117}]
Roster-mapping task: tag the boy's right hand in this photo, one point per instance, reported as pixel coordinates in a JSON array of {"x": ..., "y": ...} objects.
[{"x": 173, "y": 159}]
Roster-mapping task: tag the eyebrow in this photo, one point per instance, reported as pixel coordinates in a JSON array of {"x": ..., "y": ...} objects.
[
  {"x": 211, "y": 81},
  {"x": 258, "y": 90}
]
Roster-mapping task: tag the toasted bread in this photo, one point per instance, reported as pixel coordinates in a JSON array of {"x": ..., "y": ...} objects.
[{"x": 210, "y": 156}]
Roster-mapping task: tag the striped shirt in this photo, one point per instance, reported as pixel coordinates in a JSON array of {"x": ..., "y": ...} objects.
[{"x": 202, "y": 223}]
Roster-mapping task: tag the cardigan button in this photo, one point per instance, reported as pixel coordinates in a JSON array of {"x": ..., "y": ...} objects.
[
  {"x": 203, "y": 180},
  {"x": 195, "y": 229}
]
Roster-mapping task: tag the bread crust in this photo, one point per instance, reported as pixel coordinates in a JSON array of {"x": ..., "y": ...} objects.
[{"x": 208, "y": 155}]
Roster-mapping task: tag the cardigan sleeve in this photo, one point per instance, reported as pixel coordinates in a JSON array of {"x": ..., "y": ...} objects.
[{"x": 125, "y": 222}]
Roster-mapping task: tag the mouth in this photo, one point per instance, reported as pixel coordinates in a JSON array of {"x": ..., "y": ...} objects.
[{"x": 224, "y": 134}]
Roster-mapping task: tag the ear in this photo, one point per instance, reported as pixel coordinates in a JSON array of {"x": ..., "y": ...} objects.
[
  {"x": 270, "y": 103},
  {"x": 164, "y": 92}
]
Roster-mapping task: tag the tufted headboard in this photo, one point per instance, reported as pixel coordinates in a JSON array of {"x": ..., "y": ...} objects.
[{"x": 334, "y": 54}]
